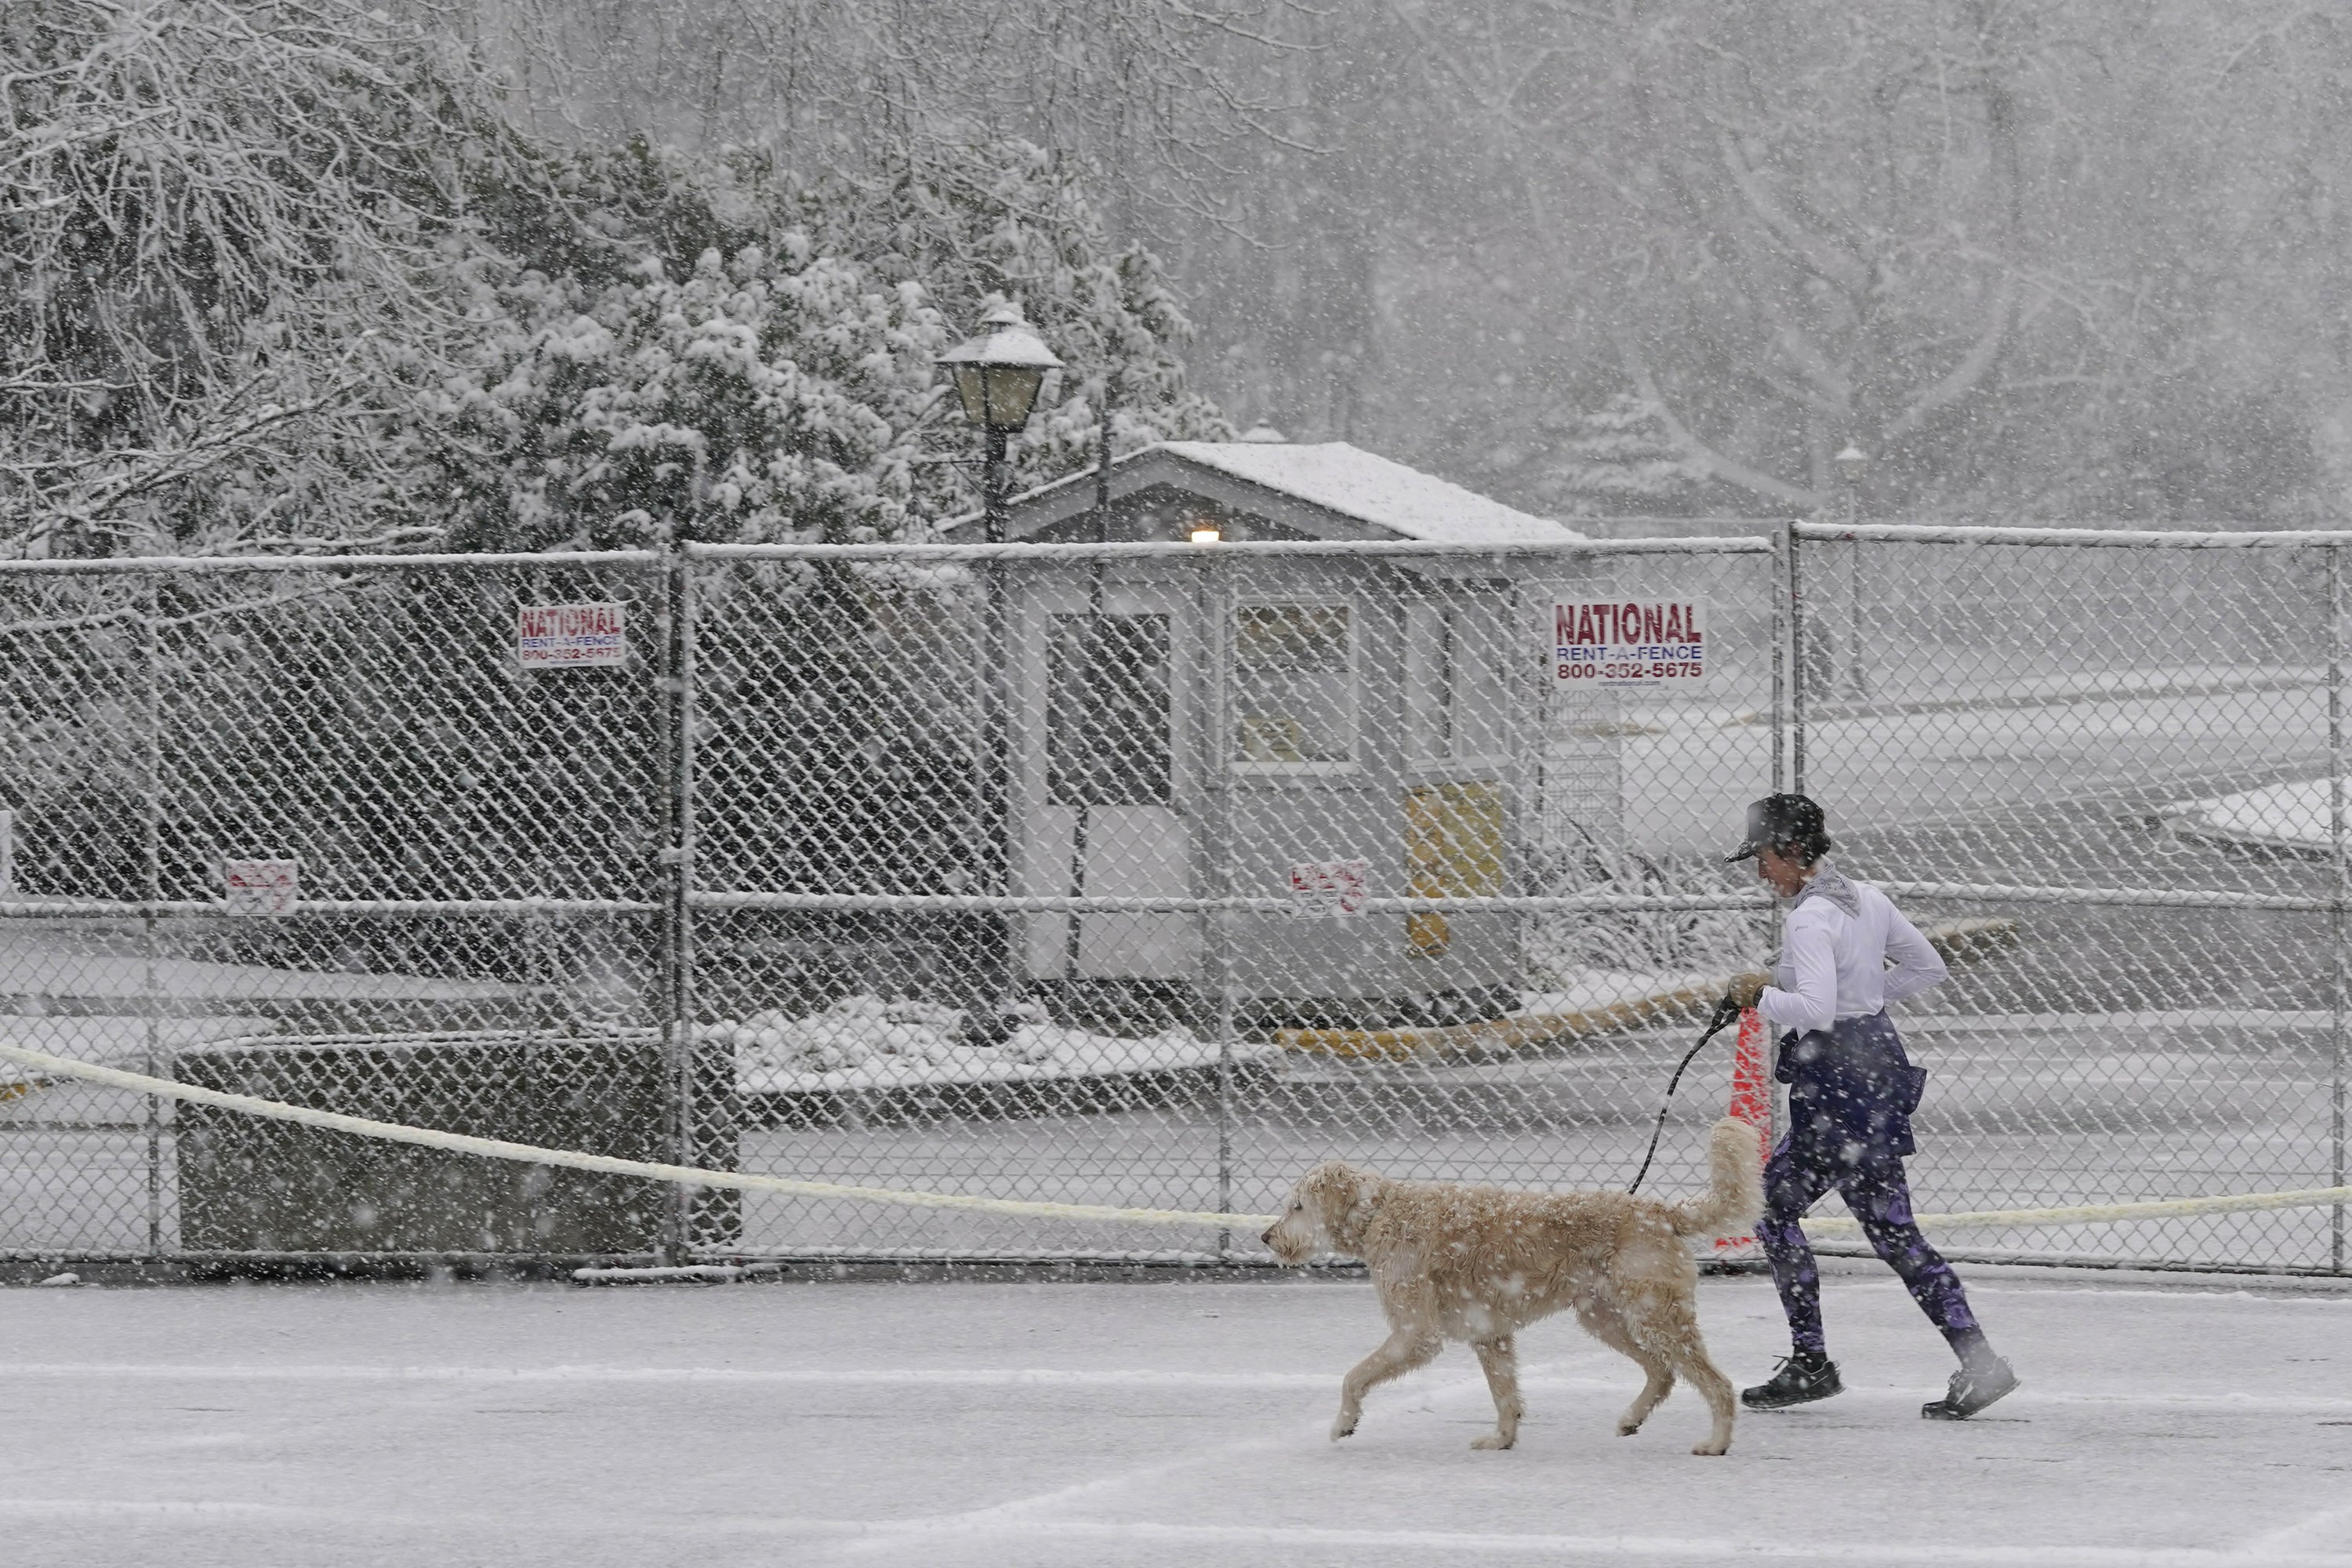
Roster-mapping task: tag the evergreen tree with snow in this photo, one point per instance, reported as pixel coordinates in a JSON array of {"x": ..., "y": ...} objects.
[{"x": 1617, "y": 460}]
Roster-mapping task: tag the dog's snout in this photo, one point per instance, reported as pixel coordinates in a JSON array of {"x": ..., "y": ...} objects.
[{"x": 1265, "y": 1236}]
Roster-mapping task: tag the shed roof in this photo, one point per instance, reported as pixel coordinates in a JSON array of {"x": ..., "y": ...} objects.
[{"x": 1390, "y": 499}]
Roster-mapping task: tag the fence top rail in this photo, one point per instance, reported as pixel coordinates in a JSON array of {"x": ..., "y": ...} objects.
[
  {"x": 1746, "y": 544},
  {"x": 184, "y": 564},
  {"x": 2105, "y": 538},
  {"x": 1144, "y": 550}
]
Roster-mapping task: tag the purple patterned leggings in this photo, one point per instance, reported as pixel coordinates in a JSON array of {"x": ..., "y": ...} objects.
[{"x": 1880, "y": 1199}]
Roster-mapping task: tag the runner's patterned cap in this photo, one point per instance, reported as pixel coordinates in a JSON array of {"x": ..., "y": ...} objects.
[{"x": 1784, "y": 822}]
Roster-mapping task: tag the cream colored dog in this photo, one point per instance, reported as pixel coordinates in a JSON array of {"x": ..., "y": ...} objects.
[{"x": 1455, "y": 1262}]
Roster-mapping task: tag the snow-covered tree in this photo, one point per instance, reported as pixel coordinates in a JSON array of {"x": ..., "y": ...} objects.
[
  {"x": 1619, "y": 459},
  {"x": 974, "y": 222},
  {"x": 763, "y": 370},
  {"x": 231, "y": 237},
  {"x": 756, "y": 397}
]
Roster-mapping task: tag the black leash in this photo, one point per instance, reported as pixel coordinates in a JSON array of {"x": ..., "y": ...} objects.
[{"x": 1727, "y": 1011}]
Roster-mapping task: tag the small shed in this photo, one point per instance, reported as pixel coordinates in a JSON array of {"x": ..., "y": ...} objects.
[{"x": 1228, "y": 724}]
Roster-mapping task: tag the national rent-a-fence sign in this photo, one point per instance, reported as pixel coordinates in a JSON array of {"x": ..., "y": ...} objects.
[
  {"x": 1628, "y": 642},
  {"x": 564, "y": 637}
]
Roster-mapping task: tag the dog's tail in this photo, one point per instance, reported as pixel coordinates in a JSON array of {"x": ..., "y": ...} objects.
[{"x": 1735, "y": 1192}]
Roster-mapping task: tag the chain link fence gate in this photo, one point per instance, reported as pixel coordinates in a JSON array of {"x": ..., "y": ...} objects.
[
  {"x": 1147, "y": 875},
  {"x": 1136, "y": 875},
  {"x": 311, "y": 829}
]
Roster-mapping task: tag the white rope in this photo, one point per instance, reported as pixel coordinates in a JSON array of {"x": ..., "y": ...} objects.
[
  {"x": 693, "y": 1175},
  {"x": 609, "y": 1164},
  {"x": 2110, "y": 1213}
]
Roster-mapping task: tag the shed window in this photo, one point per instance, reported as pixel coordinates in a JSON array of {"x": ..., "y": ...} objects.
[{"x": 1294, "y": 686}]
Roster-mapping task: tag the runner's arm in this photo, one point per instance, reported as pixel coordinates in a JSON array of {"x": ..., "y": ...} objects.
[{"x": 1917, "y": 966}]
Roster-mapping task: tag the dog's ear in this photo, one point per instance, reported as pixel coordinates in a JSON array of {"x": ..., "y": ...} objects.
[{"x": 1342, "y": 1196}]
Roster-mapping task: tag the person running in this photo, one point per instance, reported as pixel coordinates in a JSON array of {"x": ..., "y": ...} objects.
[{"x": 1852, "y": 1090}]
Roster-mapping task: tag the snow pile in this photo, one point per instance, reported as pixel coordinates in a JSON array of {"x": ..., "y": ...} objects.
[
  {"x": 857, "y": 1032},
  {"x": 864, "y": 1042},
  {"x": 2296, "y": 816}
]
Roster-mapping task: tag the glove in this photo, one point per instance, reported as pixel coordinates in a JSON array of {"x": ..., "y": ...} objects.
[{"x": 1744, "y": 989}]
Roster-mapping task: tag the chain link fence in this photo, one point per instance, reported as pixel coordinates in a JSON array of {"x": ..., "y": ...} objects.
[
  {"x": 1141, "y": 876},
  {"x": 2132, "y": 745}
]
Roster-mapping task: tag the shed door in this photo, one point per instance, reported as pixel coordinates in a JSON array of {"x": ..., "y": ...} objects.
[{"x": 1110, "y": 785}]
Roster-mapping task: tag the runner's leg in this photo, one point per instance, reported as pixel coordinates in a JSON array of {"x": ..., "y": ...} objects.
[
  {"x": 1880, "y": 1197},
  {"x": 1791, "y": 1188}
]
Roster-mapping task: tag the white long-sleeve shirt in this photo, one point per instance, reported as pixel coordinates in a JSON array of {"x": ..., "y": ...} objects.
[{"x": 1835, "y": 945}]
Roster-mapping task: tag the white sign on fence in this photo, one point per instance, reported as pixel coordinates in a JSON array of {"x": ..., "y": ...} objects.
[
  {"x": 266, "y": 888},
  {"x": 562, "y": 637},
  {"x": 1629, "y": 642},
  {"x": 1321, "y": 890}
]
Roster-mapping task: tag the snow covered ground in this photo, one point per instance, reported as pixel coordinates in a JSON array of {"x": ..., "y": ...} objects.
[
  {"x": 85, "y": 962},
  {"x": 2162, "y": 1426}
]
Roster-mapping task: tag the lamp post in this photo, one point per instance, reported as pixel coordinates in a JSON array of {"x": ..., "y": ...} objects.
[
  {"x": 997, "y": 376},
  {"x": 1852, "y": 465}
]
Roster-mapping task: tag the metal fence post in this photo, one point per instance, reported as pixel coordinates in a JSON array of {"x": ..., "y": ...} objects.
[
  {"x": 1783, "y": 542},
  {"x": 2338, "y": 998},
  {"x": 151, "y": 893},
  {"x": 676, "y": 793},
  {"x": 1004, "y": 981},
  {"x": 1796, "y": 663},
  {"x": 1784, "y": 659},
  {"x": 1219, "y": 622}
]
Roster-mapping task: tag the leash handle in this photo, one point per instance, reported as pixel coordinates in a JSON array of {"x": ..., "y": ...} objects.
[{"x": 1726, "y": 1012}]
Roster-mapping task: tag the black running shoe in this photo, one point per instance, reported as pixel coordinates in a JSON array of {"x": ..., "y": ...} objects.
[
  {"x": 1972, "y": 1388},
  {"x": 1799, "y": 1379}
]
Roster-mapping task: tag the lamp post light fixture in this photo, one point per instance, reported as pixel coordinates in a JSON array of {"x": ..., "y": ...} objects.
[
  {"x": 997, "y": 373},
  {"x": 1852, "y": 465}
]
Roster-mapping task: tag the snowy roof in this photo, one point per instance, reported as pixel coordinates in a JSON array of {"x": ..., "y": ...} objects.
[
  {"x": 1375, "y": 489},
  {"x": 1387, "y": 496}
]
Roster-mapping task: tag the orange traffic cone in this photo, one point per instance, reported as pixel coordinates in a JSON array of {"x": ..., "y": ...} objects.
[{"x": 1751, "y": 1101}]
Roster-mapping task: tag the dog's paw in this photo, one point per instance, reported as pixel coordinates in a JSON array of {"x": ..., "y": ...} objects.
[
  {"x": 1494, "y": 1440},
  {"x": 1343, "y": 1427},
  {"x": 1627, "y": 1426},
  {"x": 1712, "y": 1449}
]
